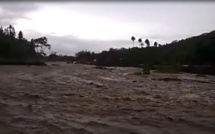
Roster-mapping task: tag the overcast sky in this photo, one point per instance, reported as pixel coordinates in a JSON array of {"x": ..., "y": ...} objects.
[{"x": 94, "y": 26}]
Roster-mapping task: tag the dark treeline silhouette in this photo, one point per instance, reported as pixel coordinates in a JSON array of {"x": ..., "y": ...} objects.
[
  {"x": 56, "y": 57},
  {"x": 18, "y": 48},
  {"x": 199, "y": 50}
]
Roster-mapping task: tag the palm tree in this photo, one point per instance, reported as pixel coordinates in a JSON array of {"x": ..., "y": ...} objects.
[
  {"x": 147, "y": 42},
  {"x": 140, "y": 40},
  {"x": 1, "y": 30},
  {"x": 133, "y": 39},
  {"x": 141, "y": 44},
  {"x": 12, "y": 31},
  {"x": 155, "y": 44},
  {"x": 20, "y": 35}
]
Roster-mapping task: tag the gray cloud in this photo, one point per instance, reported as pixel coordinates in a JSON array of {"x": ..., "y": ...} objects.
[
  {"x": 18, "y": 7},
  {"x": 10, "y": 12},
  {"x": 180, "y": 20}
]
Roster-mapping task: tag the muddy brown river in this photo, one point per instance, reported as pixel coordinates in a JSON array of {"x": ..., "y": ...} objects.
[{"x": 80, "y": 99}]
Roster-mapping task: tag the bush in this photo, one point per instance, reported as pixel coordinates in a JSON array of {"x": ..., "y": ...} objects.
[
  {"x": 210, "y": 70},
  {"x": 167, "y": 69},
  {"x": 146, "y": 69}
]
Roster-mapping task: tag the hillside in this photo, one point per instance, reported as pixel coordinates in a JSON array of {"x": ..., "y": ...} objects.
[{"x": 198, "y": 50}]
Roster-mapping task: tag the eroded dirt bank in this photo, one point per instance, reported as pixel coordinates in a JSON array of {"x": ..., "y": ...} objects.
[{"x": 80, "y": 99}]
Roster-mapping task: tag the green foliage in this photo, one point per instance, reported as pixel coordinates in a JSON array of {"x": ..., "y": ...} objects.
[
  {"x": 147, "y": 42},
  {"x": 55, "y": 57},
  {"x": 167, "y": 69},
  {"x": 199, "y": 50},
  {"x": 155, "y": 44},
  {"x": 20, "y": 35},
  {"x": 20, "y": 48},
  {"x": 133, "y": 39},
  {"x": 146, "y": 70},
  {"x": 140, "y": 40}
]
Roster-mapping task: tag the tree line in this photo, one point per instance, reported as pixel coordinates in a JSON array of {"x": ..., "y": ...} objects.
[
  {"x": 147, "y": 42},
  {"x": 199, "y": 50},
  {"x": 15, "y": 46}
]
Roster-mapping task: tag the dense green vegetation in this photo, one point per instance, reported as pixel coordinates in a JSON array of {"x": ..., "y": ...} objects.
[
  {"x": 199, "y": 50},
  {"x": 16, "y": 49},
  {"x": 55, "y": 57}
]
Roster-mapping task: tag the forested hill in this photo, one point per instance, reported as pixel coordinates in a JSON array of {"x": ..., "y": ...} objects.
[
  {"x": 198, "y": 50},
  {"x": 194, "y": 50},
  {"x": 15, "y": 46}
]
